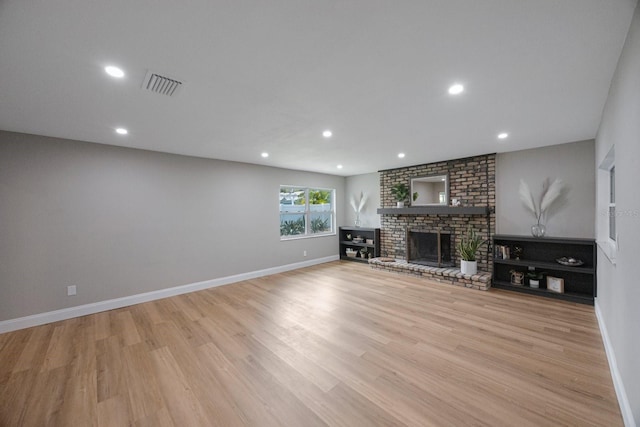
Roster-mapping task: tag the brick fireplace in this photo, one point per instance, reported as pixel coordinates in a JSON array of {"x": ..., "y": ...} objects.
[{"x": 471, "y": 181}]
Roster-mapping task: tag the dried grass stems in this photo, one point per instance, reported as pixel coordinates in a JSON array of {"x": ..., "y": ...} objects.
[{"x": 550, "y": 197}]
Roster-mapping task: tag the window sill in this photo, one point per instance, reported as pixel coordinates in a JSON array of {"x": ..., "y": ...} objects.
[
  {"x": 609, "y": 250},
  {"x": 307, "y": 236}
]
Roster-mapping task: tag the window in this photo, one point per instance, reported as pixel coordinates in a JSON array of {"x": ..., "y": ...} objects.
[
  {"x": 608, "y": 168},
  {"x": 306, "y": 212},
  {"x": 612, "y": 203}
]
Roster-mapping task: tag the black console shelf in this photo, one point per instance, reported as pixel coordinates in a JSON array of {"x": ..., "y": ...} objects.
[
  {"x": 540, "y": 255},
  {"x": 365, "y": 233}
]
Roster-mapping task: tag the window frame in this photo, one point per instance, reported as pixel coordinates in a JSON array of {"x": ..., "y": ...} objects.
[
  {"x": 307, "y": 213},
  {"x": 612, "y": 204}
]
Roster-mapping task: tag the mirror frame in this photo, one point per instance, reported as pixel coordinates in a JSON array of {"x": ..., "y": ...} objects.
[{"x": 430, "y": 178}]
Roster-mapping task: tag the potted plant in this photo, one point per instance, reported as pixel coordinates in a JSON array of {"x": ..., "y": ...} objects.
[
  {"x": 363, "y": 253},
  {"x": 401, "y": 193},
  {"x": 468, "y": 247},
  {"x": 534, "y": 278}
]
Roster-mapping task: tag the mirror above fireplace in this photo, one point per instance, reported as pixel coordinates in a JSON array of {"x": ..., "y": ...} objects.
[{"x": 430, "y": 190}]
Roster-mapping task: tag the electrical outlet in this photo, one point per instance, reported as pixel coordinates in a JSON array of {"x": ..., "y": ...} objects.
[
  {"x": 71, "y": 290},
  {"x": 304, "y": 253}
]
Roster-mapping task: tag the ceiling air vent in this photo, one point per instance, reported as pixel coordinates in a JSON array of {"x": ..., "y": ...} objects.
[{"x": 161, "y": 84}]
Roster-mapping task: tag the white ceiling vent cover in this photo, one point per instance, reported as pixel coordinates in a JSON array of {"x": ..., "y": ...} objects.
[{"x": 163, "y": 85}]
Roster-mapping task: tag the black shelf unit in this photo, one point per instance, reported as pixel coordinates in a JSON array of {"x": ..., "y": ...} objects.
[
  {"x": 365, "y": 233},
  {"x": 540, "y": 254}
]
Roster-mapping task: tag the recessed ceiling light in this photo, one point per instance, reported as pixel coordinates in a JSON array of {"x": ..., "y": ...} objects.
[
  {"x": 401, "y": 155},
  {"x": 327, "y": 133},
  {"x": 122, "y": 131},
  {"x": 114, "y": 71},
  {"x": 503, "y": 135},
  {"x": 339, "y": 166},
  {"x": 456, "y": 89},
  {"x": 265, "y": 155}
]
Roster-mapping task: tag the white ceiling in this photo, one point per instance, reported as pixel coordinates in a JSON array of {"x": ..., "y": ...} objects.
[{"x": 272, "y": 75}]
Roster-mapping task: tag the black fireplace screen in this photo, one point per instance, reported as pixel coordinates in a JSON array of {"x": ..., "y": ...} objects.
[{"x": 429, "y": 248}]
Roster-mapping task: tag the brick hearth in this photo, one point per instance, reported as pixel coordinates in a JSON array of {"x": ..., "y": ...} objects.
[{"x": 453, "y": 276}]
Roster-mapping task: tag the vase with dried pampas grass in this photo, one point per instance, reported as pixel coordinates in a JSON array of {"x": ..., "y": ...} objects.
[
  {"x": 357, "y": 207},
  {"x": 550, "y": 194}
]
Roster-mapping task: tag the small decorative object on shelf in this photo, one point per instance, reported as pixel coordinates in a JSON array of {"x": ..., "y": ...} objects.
[
  {"x": 351, "y": 253},
  {"x": 534, "y": 278},
  {"x": 516, "y": 277},
  {"x": 348, "y": 236},
  {"x": 538, "y": 230},
  {"x": 570, "y": 262},
  {"x": 518, "y": 251},
  {"x": 555, "y": 284},
  {"x": 363, "y": 253},
  {"x": 550, "y": 194}
]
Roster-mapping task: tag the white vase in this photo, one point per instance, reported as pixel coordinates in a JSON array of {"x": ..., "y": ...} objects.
[
  {"x": 400, "y": 204},
  {"x": 469, "y": 267}
]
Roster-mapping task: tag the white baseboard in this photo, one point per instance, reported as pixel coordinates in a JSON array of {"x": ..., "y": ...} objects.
[
  {"x": 623, "y": 401},
  {"x": 96, "y": 307}
]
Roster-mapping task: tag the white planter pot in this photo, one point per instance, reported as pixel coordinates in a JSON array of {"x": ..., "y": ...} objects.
[
  {"x": 534, "y": 283},
  {"x": 469, "y": 267},
  {"x": 400, "y": 204}
]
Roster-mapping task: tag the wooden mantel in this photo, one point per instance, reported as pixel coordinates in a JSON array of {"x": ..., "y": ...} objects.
[{"x": 436, "y": 210}]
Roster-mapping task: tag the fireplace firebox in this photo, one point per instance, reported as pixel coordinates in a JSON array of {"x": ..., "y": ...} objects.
[{"x": 430, "y": 248}]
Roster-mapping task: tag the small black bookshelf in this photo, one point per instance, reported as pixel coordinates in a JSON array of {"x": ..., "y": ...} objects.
[
  {"x": 370, "y": 243},
  {"x": 540, "y": 254}
]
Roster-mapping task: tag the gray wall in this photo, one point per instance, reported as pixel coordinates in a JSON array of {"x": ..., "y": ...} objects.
[
  {"x": 370, "y": 185},
  {"x": 618, "y": 289},
  {"x": 117, "y": 222},
  {"x": 573, "y": 163}
]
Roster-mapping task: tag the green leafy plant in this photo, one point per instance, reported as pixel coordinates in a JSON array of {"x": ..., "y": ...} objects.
[
  {"x": 469, "y": 244},
  {"x": 318, "y": 225},
  {"x": 292, "y": 227},
  {"x": 536, "y": 275},
  {"x": 400, "y": 192},
  {"x": 319, "y": 197}
]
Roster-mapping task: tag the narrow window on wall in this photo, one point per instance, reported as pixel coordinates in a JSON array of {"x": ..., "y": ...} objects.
[
  {"x": 306, "y": 212},
  {"x": 612, "y": 203}
]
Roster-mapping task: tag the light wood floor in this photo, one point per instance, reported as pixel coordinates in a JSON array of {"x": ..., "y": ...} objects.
[{"x": 336, "y": 344}]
